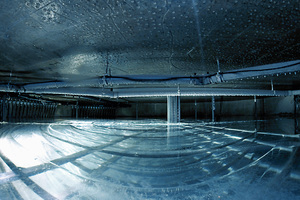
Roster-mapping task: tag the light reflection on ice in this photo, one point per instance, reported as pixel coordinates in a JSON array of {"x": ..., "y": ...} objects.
[{"x": 145, "y": 159}]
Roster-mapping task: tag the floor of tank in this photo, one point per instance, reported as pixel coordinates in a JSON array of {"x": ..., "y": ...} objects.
[{"x": 148, "y": 159}]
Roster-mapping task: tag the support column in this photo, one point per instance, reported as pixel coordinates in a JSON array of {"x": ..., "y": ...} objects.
[
  {"x": 195, "y": 109},
  {"x": 213, "y": 108},
  {"x": 173, "y": 109},
  {"x": 10, "y": 109},
  {"x": 25, "y": 115},
  {"x": 4, "y": 109},
  {"x": 296, "y": 105},
  {"x": 296, "y": 115},
  {"x": 21, "y": 110},
  {"x": 13, "y": 114},
  {"x": 255, "y": 113},
  {"x": 255, "y": 107},
  {"x": 137, "y": 111},
  {"x": 263, "y": 107},
  {"x": 221, "y": 107},
  {"x": 76, "y": 110}
]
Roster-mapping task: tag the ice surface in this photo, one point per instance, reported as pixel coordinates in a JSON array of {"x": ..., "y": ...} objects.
[{"x": 146, "y": 159}]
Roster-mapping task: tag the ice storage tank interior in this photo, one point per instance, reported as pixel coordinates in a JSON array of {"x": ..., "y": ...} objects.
[{"x": 140, "y": 99}]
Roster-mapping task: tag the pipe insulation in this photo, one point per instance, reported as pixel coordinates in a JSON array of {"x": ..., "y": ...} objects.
[
  {"x": 149, "y": 86},
  {"x": 263, "y": 70}
]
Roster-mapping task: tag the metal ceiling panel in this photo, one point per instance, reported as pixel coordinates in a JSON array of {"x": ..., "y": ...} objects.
[{"x": 62, "y": 40}]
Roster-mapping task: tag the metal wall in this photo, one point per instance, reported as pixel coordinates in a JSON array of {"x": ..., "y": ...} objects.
[
  {"x": 18, "y": 109},
  {"x": 95, "y": 112},
  {"x": 224, "y": 107}
]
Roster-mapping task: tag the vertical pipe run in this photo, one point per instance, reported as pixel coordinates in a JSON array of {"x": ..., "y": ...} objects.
[
  {"x": 14, "y": 109},
  {"x": 213, "y": 108},
  {"x": 195, "y": 109},
  {"x": 173, "y": 103},
  {"x": 221, "y": 107},
  {"x": 76, "y": 108},
  {"x": 255, "y": 112},
  {"x": 255, "y": 107},
  {"x": 10, "y": 109},
  {"x": 4, "y": 109},
  {"x": 178, "y": 109},
  {"x": 137, "y": 111},
  {"x": 296, "y": 110},
  {"x": 296, "y": 105},
  {"x": 25, "y": 109},
  {"x": 263, "y": 108}
]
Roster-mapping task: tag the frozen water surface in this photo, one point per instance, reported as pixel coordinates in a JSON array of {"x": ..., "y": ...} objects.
[{"x": 146, "y": 159}]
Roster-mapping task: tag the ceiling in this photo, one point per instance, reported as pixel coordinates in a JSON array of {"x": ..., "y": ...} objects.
[{"x": 71, "y": 40}]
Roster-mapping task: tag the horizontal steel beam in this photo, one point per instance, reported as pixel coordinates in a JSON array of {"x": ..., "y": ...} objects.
[
  {"x": 163, "y": 92},
  {"x": 156, "y": 92},
  {"x": 88, "y": 92},
  {"x": 264, "y": 70},
  {"x": 148, "y": 86}
]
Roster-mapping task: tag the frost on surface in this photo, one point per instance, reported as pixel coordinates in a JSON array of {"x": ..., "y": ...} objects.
[{"x": 146, "y": 159}]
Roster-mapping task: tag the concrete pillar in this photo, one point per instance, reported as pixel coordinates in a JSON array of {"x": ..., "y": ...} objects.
[{"x": 173, "y": 109}]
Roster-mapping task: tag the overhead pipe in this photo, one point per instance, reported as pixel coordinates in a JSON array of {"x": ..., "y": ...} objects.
[
  {"x": 96, "y": 87},
  {"x": 219, "y": 77},
  {"x": 262, "y": 70},
  {"x": 104, "y": 81}
]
